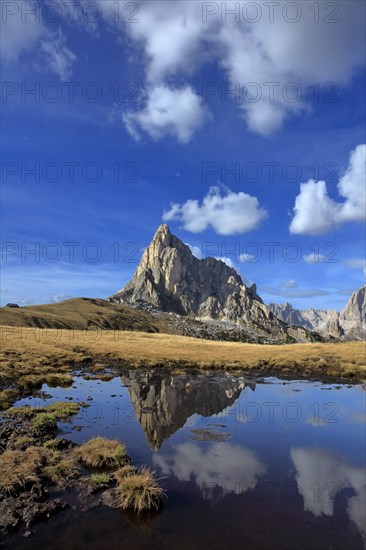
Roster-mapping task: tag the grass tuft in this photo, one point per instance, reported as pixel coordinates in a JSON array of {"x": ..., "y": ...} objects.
[
  {"x": 102, "y": 479},
  {"x": 44, "y": 422},
  {"x": 63, "y": 409},
  {"x": 138, "y": 491},
  {"x": 100, "y": 452},
  {"x": 124, "y": 471}
]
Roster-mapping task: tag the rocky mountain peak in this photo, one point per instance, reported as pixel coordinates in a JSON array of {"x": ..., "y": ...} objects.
[
  {"x": 162, "y": 235},
  {"x": 171, "y": 279}
]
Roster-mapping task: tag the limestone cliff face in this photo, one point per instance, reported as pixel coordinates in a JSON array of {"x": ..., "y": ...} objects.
[
  {"x": 163, "y": 402},
  {"x": 350, "y": 323},
  {"x": 352, "y": 318},
  {"x": 171, "y": 279}
]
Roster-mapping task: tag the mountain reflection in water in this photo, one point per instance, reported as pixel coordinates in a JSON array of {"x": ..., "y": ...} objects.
[
  {"x": 274, "y": 463},
  {"x": 163, "y": 402}
]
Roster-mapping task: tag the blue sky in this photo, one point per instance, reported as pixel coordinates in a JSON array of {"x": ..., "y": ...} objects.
[{"x": 274, "y": 185}]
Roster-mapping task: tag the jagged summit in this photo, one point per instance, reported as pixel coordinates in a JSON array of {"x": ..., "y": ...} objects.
[
  {"x": 350, "y": 323},
  {"x": 170, "y": 278},
  {"x": 163, "y": 235}
]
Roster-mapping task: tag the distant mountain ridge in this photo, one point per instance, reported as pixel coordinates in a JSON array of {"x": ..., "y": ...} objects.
[
  {"x": 170, "y": 278},
  {"x": 350, "y": 323}
]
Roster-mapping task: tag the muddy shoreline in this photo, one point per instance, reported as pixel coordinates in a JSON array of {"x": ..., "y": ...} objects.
[{"x": 44, "y": 474}]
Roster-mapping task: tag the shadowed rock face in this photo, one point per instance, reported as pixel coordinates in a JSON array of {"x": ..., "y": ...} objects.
[
  {"x": 350, "y": 323},
  {"x": 171, "y": 279},
  {"x": 163, "y": 402}
]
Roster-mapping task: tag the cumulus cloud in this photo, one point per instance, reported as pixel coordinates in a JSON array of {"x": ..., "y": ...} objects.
[
  {"x": 177, "y": 112},
  {"x": 227, "y": 214},
  {"x": 317, "y": 213},
  {"x": 314, "y": 258},
  {"x": 317, "y": 467},
  {"x": 177, "y": 40},
  {"x": 230, "y": 468}
]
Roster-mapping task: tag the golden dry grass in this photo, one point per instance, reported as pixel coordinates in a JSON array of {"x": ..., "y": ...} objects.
[
  {"x": 138, "y": 491},
  {"x": 100, "y": 452},
  {"x": 19, "y": 468},
  {"x": 81, "y": 313},
  {"x": 29, "y": 351}
]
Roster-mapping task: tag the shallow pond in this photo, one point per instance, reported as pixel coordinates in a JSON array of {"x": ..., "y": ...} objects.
[{"x": 255, "y": 463}]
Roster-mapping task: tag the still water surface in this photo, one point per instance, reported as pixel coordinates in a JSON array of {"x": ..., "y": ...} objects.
[{"x": 246, "y": 463}]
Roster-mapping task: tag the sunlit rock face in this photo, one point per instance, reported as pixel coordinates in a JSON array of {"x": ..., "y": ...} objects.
[
  {"x": 162, "y": 402},
  {"x": 171, "y": 279},
  {"x": 350, "y": 323},
  {"x": 353, "y": 317}
]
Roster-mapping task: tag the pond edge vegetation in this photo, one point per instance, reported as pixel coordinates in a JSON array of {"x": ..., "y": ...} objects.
[{"x": 34, "y": 463}]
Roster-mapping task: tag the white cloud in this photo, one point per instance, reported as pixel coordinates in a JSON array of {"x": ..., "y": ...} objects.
[
  {"x": 58, "y": 56},
  {"x": 352, "y": 186},
  {"x": 171, "y": 35},
  {"x": 227, "y": 214},
  {"x": 177, "y": 41},
  {"x": 168, "y": 112},
  {"x": 230, "y": 468},
  {"x": 317, "y": 213},
  {"x": 314, "y": 258},
  {"x": 321, "y": 469}
]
